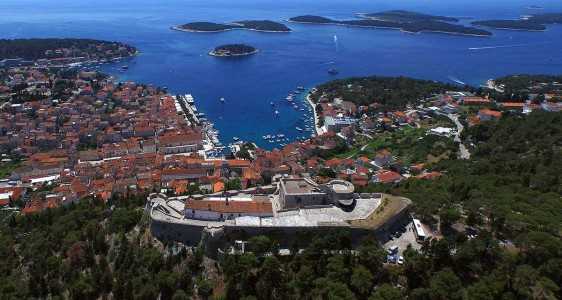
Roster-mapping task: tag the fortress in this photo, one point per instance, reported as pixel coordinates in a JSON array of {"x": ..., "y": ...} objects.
[{"x": 289, "y": 206}]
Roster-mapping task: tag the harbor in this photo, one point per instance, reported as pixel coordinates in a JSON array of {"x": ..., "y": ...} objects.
[
  {"x": 212, "y": 147},
  {"x": 295, "y": 103}
]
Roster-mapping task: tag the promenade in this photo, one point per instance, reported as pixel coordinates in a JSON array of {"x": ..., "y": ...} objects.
[{"x": 319, "y": 130}]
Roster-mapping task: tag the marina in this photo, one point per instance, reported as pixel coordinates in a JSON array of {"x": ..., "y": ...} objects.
[
  {"x": 251, "y": 85},
  {"x": 214, "y": 148}
]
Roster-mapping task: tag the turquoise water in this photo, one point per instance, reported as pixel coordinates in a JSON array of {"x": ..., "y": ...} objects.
[{"x": 178, "y": 60}]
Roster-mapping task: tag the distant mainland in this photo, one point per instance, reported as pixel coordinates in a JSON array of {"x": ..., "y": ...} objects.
[
  {"x": 405, "y": 21},
  {"x": 533, "y": 22},
  {"x": 254, "y": 25},
  {"x": 233, "y": 50}
]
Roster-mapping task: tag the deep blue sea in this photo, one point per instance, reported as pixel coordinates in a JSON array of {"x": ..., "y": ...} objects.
[{"x": 178, "y": 60}]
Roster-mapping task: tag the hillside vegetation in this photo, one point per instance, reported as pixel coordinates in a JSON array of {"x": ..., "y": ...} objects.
[
  {"x": 403, "y": 16},
  {"x": 33, "y": 49},
  {"x": 510, "y": 189},
  {"x": 393, "y": 92},
  {"x": 87, "y": 251}
]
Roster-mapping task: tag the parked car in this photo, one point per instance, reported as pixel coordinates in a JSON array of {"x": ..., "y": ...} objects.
[
  {"x": 401, "y": 260},
  {"x": 393, "y": 258},
  {"x": 392, "y": 249}
]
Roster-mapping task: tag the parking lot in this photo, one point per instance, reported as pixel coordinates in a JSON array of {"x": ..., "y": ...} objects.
[{"x": 404, "y": 238}]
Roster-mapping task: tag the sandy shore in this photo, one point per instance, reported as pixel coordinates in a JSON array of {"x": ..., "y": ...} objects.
[{"x": 319, "y": 130}]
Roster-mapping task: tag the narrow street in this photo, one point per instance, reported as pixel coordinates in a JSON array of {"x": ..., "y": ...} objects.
[{"x": 464, "y": 151}]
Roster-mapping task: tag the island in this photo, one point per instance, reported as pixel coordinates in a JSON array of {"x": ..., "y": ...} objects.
[
  {"x": 418, "y": 23},
  {"x": 54, "y": 52},
  {"x": 534, "y": 7},
  {"x": 546, "y": 18},
  {"x": 233, "y": 50},
  {"x": 403, "y": 16},
  {"x": 533, "y": 22},
  {"x": 511, "y": 25},
  {"x": 253, "y": 25}
]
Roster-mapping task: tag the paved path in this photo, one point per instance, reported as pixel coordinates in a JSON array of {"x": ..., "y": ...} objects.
[
  {"x": 464, "y": 151},
  {"x": 319, "y": 130}
]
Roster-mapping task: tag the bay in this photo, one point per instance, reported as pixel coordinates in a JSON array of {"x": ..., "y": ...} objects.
[{"x": 178, "y": 60}]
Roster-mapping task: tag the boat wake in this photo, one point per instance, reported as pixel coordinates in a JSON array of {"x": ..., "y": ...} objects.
[
  {"x": 501, "y": 46},
  {"x": 328, "y": 63},
  {"x": 455, "y": 79}
]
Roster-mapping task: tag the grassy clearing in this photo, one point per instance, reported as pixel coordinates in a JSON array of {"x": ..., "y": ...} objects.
[{"x": 390, "y": 206}]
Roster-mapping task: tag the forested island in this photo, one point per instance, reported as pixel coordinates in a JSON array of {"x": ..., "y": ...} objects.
[
  {"x": 534, "y": 7},
  {"x": 52, "y": 48},
  {"x": 546, "y": 18},
  {"x": 511, "y": 25},
  {"x": 534, "y": 22},
  {"x": 255, "y": 25},
  {"x": 403, "y": 16},
  {"x": 233, "y": 50},
  {"x": 404, "y": 21}
]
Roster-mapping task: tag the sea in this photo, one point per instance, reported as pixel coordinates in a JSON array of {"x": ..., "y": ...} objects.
[{"x": 178, "y": 60}]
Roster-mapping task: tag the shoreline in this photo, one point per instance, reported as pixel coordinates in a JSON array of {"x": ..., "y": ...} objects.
[
  {"x": 491, "y": 84},
  {"x": 514, "y": 29},
  {"x": 365, "y": 16},
  {"x": 446, "y": 32},
  {"x": 340, "y": 24},
  {"x": 319, "y": 130},
  {"x": 87, "y": 63},
  {"x": 392, "y": 28},
  {"x": 177, "y": 28},
  {"x": 214, "y": 54}
]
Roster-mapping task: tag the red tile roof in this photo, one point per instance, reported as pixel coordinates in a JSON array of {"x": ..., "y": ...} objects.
[
  {"x": 388, "y": 176},
  {"x": 332, "y": 162},
  {"x": 232, "y": 206},
  {"x": 490, "y": 112}
]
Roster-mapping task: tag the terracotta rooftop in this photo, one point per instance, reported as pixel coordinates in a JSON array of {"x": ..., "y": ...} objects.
[{"x": 233, "y": 206}]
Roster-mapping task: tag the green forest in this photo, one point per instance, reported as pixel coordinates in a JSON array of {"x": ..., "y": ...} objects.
[
  {"x": 547, "y": 18},
  {"x": 510, "y": 24},
  {"x": 508, "y": 194},
  {"x": 236, "y": 49},
  {"x": 263, "y": 25},
  {"x": 33, "y": 49},
  {"x": 524, "y": 82},
  {"x": 391, "y": 92},
  {"x": 404, "y": 16},
  {"x": 416, "y": 24},
  {"x": 205, "y": 26},
  {"x": 90, "y": 250},
  {"x": 259, "y": 25}
]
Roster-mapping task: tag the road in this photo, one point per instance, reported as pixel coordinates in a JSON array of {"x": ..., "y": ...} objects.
[{"x": 464, "y": 151}]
